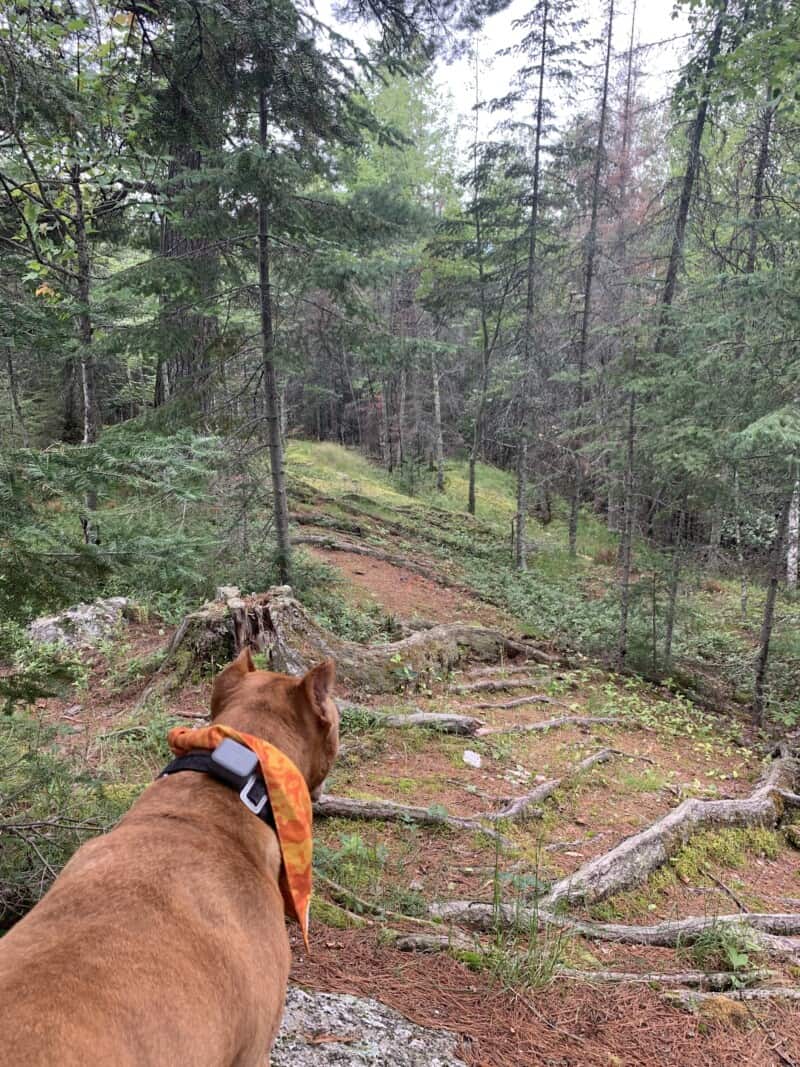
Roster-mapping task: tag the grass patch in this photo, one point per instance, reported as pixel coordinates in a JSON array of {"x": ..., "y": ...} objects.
[{"x": 723, "y": 947}]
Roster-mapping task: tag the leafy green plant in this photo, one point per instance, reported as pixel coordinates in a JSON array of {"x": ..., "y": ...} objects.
[
  {"x": 50, "y": 804},
  {"x": 723, "y": 947},
  {"x": 36, "y": 670},
  {"x": 356, "y": 864},
  {"x": 522, "y": 954}
]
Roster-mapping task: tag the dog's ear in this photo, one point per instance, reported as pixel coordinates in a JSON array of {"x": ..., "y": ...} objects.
[
  {"x": 227, "y": 682},
  {"x": 318, "y": 686}
]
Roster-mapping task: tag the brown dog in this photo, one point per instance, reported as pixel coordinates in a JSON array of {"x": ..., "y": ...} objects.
[{"x": 163, "y": 942}]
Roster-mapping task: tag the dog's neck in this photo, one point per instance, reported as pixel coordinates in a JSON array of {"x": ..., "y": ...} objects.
[{"x": 277, "y": 730}]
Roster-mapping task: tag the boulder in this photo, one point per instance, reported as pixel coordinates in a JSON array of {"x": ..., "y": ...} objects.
[
  {"x": 339, "y": 1030},
  {"x": 83, "y": 625}
]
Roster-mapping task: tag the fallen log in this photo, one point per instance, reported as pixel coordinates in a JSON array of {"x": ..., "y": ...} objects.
[
  {"x": 388, "y": 811},
  {"x": 548, "y": 724},
  {"x": 635, "y": 858}
]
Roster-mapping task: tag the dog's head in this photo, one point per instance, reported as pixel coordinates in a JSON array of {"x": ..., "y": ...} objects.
[{"x": 296, "y": 714}]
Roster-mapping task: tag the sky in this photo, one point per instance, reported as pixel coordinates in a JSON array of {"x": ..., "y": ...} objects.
[
  {"x": 660, "y": 36},
  {"x": 655, "y": 27}
]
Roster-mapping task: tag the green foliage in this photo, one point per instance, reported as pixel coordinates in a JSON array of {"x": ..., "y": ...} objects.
[
  {"x": 356, "y": 865},
  {"x": 50, "y": 804},
  {"x": 34, "y": 670},
  {"x": 724, "y": 947},
  {"x": 523, "y": 954},
  {"x": 725, "y": 848}
]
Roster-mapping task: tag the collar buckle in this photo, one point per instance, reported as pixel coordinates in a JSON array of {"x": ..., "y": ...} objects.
[{"x": 256, "y": 806}]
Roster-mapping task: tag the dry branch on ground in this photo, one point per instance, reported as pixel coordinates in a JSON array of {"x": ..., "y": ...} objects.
[{"x": 388, "y": 811}]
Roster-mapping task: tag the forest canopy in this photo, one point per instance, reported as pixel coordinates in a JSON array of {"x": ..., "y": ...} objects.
[{"x": 227, "y": 225}]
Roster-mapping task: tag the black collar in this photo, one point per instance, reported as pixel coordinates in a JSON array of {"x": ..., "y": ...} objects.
[{"x": 201, "y": 761}]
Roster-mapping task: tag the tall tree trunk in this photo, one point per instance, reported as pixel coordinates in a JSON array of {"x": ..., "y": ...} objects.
[
  {"x": 15, "y": 403},
  {"x": 272, "y": 407},
  {"x": 401, "y": 418},
  {"x": 86, "y": 356},
  {"x": 589, "y": 271},
  {"x": 792, "y": 545},
  {"x": 689, "y": 178},
  {"x": 485, "y": 351},
  {"x": 739, "y": 550},
  {"x": 383, "y": 428},
  {"x": 674, "y": 586},
  {"x": 759, "y": 688},
  {"x": 438, "y": 439},
  {"x": 520, "y": 547},
  {"x": 533, "y": 234},
  {"x": 626, "y": 538}
]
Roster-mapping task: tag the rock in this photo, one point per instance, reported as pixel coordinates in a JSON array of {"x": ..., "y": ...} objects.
[
  {"x": 472, "y": 759},
  {"x": 82, "y": 625},
  {"x": 338, "y": 1030}
]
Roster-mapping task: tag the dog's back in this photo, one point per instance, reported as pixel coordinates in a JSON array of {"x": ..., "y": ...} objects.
[{"x": 163, "y": 942}]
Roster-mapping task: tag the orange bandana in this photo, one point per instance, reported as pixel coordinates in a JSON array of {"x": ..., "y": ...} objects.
[{"x": 291, "y": 807}]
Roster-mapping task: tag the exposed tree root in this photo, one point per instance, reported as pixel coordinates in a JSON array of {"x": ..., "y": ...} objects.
[
  {"x": 346, "y": 896},
  {"x": 776, "y": 934},
  {"x": 543, "y": 659},
  {"x": 276, "y": 623},
  {"x": 548, "y": 724},
  {"x": 634, "y": 859},
  {"x": 514, "y": 809},
  {"x": 326, "y": 522},
  {"x": 708, "y": 980},
  {"x": 388, "y": 811},
  {"x": 692, "y": 1000},
  {"x": 494, "y": 685},
  {"x": 433, "y": 942},
  {"x": 442, "y": 722},
  {"x": 518, "y": 702},
  {"x": 520, "y": 807}
]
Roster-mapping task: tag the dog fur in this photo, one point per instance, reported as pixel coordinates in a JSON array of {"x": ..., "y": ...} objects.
[{"x": 163, "y": 942}]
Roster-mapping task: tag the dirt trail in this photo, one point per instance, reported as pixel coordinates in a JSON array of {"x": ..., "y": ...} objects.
[
  {"x": 406, "y": 595},
  {"x": 571, "y": 1023}
]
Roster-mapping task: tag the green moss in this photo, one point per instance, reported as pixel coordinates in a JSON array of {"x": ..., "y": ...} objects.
[
  {"x": 724, "y": 848},
  {"x": 323, "y": 911}
]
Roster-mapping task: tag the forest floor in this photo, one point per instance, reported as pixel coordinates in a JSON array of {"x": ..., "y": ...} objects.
[{"x": 512, "y": 996}]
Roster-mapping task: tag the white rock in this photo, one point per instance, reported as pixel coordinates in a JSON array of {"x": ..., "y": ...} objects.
[
  {"x": 472, "y": 759},
  {"x": 81, "y": 625},
  {"x": 371, "y": 1035}
]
